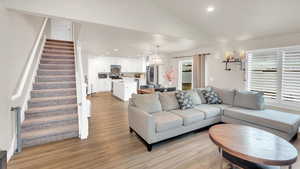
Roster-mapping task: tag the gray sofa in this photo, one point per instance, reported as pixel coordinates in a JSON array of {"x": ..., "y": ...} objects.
[{"x": 157, "y": 117}]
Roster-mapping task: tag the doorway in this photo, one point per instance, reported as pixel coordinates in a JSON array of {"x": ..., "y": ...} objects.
[
  {"x": 61, "y": 30},
  {"x": 185, "y": 80}
]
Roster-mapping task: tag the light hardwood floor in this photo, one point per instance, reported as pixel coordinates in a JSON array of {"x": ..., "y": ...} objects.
[{"x": 111, "y": 146}]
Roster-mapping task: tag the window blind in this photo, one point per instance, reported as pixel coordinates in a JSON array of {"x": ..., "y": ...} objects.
[
  {"x": 263, "y": 68},
  {"x": 291, "y": 76}
]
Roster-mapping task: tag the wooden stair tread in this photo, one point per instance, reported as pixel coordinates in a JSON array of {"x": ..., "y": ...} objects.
[
  {"x": 50, "y": 119},
  {"x": 49, "y": 108},
  {"x": 49, "y": 131}
]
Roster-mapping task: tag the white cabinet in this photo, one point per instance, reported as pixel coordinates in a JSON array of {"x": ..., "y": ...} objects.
[
  {"x": 102, "y": 85},
  {"x": 124, "y": 89},
  {"x": 133, "y": 65}
]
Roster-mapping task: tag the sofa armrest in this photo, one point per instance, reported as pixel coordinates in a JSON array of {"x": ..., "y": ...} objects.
[{"x": 142, "y": 123}]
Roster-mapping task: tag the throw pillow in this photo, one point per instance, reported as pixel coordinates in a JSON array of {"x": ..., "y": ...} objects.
[
  {"x": 211, "y": 96},
  {"x": 195, "y": 97},
  {"x": 184, "y": 100},
  {"x": 168, "y": 101},
  {"x": 148, "y": 102},
  {"x": 227, "y": 96},
  {"x": 199, "y": 91},
  {"x": 249, "y": 100}
]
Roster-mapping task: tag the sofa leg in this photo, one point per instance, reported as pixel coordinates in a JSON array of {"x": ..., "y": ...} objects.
[
  {"x": 149, "y": 147},
  {"x": 295, "y": 137},
  {"x": 130, "y": 130}
]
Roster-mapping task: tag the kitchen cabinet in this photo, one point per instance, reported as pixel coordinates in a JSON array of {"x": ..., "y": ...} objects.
[
  {"x": 128, "y": 64},
  {"x": 124, "y": 89},
  {"x": 102, "y": 85}
]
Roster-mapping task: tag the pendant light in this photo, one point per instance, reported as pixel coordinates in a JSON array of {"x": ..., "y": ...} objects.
[{"x": 156, "y": 59}]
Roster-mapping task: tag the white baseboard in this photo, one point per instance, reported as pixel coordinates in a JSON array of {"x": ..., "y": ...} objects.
[{"x": 12, "y": 148}]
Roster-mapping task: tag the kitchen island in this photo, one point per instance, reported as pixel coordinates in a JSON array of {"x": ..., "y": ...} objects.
[{"x": 123, "y": 89}]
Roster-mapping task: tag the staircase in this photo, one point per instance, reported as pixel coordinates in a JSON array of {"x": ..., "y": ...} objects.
[{"x": 52, "y": 109}]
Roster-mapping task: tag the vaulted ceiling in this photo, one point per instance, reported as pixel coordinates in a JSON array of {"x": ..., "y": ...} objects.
[
  {"x": 135, "y": 26},
  {"x": 237, "y": 19}
]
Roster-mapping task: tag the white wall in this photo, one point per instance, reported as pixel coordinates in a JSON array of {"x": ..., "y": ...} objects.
[
  {"x": 17, "y": 32},
  {"x": 170, "y": 63},
  {"x": 235, "y": 79},
  {"x": 141, "y": 15}
]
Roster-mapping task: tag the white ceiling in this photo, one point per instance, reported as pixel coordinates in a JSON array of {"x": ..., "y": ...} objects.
[
  {"x": 232, "y": 20},
  {"x": 238, "y": 19},
  {"x": 101, "y": 40},
  {"x": 177, "y": 20}
]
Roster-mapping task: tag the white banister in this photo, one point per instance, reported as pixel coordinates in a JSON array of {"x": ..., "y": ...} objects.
[
  {"x": 34, "y": 51},
  {"x": 83, "y": 103},
  {"x": 22, "y": 93}
]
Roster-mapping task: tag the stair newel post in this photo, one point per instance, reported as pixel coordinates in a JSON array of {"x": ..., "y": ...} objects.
[
  {"x": 81, "y": 95},
  {"x": 17, "y": 111}
]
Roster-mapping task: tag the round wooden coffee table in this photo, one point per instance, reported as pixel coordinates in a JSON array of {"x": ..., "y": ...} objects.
[{"x": 248, "y": 147}]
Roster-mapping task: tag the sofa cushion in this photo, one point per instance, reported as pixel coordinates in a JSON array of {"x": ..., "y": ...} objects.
[
  {"x": 249, "y": 100},
  {"x": 184, "y": 100},
  {"x": 209, "y": 110},
  {"x": 165, "y": 121},
  {"x": 227, "y": 96},
  {"x": 211, "y": 96},
  {"x": 148, "y": 102},
  {"x": 195, "y": 97},
  {"x": 200, "y": 93},
  {"x": 285, "y": 122},
  {"x": 190, "y": 115},
  {"x": 168, "y": 101}
]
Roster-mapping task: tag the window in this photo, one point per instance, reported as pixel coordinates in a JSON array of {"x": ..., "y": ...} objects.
[{"x": 276, "y": 73}]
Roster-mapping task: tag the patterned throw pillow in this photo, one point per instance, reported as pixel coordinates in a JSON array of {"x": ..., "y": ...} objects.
[
  {"x": 211, "y": 96},
  {"x": 184, "y": 100}
]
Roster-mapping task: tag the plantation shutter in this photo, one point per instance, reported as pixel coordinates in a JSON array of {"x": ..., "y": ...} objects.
[
  {"x": 291, "y": 76},
  {"x": 263, "y": 68}
]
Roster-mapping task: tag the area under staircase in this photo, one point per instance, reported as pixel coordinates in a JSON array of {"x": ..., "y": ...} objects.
[{"x": 52, "y": 109}]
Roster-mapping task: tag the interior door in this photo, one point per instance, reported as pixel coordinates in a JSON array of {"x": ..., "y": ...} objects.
[{"x": 61, "y": 30}]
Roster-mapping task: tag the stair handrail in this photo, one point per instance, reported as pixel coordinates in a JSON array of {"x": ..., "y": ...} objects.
[
  {"x": 80, "y": 90},
  {"x": 22, "y": 93},
  {"x": 33, "y": 53}
]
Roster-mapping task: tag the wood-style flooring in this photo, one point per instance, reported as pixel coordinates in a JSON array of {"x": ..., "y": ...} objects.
[{"x": 111, "y": 146}]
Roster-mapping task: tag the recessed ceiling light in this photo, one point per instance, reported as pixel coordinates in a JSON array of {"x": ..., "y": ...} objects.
[
  {"x": 116, "y": 50},
  {"x": 210, "y": 9}
]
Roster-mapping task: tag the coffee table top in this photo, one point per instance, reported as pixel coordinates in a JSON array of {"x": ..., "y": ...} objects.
[{"x": 254, "y": 145}]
